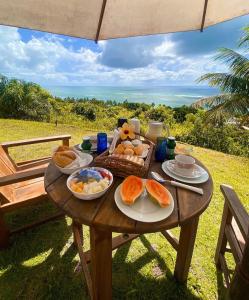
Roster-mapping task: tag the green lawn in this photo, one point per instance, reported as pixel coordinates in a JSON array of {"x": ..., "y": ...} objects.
[{"x": 41, "y": 262}]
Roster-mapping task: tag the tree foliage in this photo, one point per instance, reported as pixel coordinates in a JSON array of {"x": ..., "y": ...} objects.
[
  {"x": 23, "y": 100},
  {"x": 234, "y": 85}
]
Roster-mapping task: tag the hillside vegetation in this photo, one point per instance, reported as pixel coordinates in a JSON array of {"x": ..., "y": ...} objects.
[{"x": 28, "y": 101}]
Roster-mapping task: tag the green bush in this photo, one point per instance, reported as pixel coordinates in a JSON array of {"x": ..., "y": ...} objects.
[
  {"x": 85, "y": 110},
  {"x": 181, "y": 112},
  {"x": 23, "y": 100},
  {"x": 227, "y": 138},
  {"x": 161, "y": 113}
]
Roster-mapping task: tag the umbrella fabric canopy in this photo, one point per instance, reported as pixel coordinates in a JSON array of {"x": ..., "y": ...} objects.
[{"x": 106, "y": 19}]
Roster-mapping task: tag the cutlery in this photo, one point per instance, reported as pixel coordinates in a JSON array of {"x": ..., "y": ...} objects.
[{"x": 159, "y": 178}]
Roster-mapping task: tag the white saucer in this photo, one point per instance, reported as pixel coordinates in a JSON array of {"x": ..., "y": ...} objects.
[
  {"x": 144, "y": 210},
  {"x": 196, "y": 172},
  {"x": 93, "y": 148},
  {"x": 203, "y": 178}
]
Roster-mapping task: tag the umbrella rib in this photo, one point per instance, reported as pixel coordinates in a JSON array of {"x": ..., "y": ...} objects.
[
  {"x": 100, "y": 19},
  {"x": 204, "y": 15}
]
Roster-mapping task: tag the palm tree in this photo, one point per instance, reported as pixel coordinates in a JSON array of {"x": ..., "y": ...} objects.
[{"x": 234, "y": 85}]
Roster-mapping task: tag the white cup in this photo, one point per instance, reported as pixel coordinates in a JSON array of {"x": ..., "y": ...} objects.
[{"x": 184, "y": 161}]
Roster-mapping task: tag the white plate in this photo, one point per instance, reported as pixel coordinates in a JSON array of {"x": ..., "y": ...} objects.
[
  {"x": 201, "y": 179},
  {"x": 196, "y": 172},
  {"x": 144, "y": 210}
]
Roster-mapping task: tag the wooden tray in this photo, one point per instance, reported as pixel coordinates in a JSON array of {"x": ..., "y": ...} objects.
[{"x": 123, "y": 167}]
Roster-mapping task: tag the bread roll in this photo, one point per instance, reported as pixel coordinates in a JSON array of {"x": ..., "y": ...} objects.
[
  {"x": 62, "y": 148},
  {"x": 128, "y": 151},
  {"x": 63, "y": 159},
  {"x": 139, "y": 150}
]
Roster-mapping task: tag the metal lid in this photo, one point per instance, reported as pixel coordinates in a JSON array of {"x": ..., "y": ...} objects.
[
  {"x": 86, "y": 138},
  {"x": 171, "y": 138}
]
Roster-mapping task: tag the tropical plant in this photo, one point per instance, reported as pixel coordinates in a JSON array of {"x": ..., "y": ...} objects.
[
  {"x": 23, "y": 100},
  {"x": 234, "y": 85}
]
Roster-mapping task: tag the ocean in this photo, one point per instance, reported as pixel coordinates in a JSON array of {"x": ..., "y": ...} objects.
[{"x": 169, "y": 95}]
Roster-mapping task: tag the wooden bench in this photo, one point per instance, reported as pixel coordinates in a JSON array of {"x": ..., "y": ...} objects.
[
  {"x": 234, "y": 231},
  {"x": 22, "y": 184}
]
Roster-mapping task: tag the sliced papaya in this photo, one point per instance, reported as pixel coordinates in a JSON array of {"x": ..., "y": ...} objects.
[
  {"x": 157, "y": 192},
  {"x": 131, "y": 188}
]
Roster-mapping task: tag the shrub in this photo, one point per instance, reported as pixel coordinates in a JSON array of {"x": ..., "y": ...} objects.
[
  {"x": 84, "y": 110},
  {"x": 181, "y": 112},
  {"x": 23, "y": 100},
  {"x": 227, "y": 138},
  {"x": 161, "y": 113}
]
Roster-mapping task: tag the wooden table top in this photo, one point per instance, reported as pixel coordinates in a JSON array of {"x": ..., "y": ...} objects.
[{"x": 104, "y": 213}]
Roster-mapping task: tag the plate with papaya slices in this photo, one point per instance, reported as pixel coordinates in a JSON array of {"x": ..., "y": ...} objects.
[{"x": 144, "y": 200}]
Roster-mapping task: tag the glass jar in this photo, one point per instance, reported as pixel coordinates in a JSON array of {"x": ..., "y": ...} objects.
[
  {"x": 155, "y": 130},
  {"x": 171, "y": 144},
  {"x": 101, "y": 142},
  {"x": 160, "y": 152},
  {"x": 86, "y": 144}
]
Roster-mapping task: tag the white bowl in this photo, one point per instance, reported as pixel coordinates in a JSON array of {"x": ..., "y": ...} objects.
[
  {"x": 83, "y": 160},
  {"x": 90, "y": 196}
]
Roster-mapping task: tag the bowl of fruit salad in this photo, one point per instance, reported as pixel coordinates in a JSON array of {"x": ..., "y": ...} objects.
[{"x": 90, "y": 183}]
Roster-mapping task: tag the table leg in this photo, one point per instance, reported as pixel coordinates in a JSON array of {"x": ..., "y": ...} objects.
[
  {"x": 185, "y": 249},
  {"x": 77, "y": 226},
  {"x": 4, "y": 233},
  {"x": 101, "y": 263}
]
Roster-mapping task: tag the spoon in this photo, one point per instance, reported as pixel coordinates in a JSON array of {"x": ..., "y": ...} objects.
[{"x": 159, "y": 178}]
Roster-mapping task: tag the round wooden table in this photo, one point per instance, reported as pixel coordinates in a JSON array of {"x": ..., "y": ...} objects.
[{"x": 103, "y": 217}]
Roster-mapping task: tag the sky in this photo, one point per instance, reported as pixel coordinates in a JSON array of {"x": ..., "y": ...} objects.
[{"x": 167, "y": 59}]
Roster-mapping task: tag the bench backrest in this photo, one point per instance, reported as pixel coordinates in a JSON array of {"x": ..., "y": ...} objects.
[{"x": 6, "y": 168}]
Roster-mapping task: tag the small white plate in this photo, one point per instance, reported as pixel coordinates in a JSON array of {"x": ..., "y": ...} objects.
[
  {"x": 94, "y": 146},
  {"x": 196, "y": 172},
  {"x": 144, "y": 210},
  {"x": 203, "y": 178}
]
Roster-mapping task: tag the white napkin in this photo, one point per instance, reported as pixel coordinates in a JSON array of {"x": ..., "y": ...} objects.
[{"x": 114, "y": 141}]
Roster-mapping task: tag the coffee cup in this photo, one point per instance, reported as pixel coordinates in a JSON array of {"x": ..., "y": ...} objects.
[{"x": 184, "y": 161}]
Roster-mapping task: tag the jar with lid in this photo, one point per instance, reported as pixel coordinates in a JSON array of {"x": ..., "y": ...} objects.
[
  {"x": 155, "y": 130},
  {"x": 86, "y": 144},
  {"x": 171, "y": 144}
]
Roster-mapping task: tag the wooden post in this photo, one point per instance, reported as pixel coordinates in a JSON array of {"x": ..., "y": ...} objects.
[
  {"x": 185, "y": 249},
  {"x": 65, "y": 142},
  {"x": 78, "y": 227},
  {"x": 222, "y": 240},
  {"x": 4, "y": 232},
  {"x": 101, "y": 263},
  {"x": 239, "y": 288}
]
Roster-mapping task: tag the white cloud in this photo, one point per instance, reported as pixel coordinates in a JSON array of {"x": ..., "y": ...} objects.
[
  {"x": 47, "y": 60},
  {"x": 165, "y": 49}
]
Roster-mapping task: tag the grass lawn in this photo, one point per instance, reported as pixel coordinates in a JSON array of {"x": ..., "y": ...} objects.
[{"x": 41, "y": 262}]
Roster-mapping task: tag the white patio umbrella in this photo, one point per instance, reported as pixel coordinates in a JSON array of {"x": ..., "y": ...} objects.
[{"x": 106, "y": 19}]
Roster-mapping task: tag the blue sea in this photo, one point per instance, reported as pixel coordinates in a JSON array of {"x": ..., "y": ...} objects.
[{"x": 169, "y": 95}]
